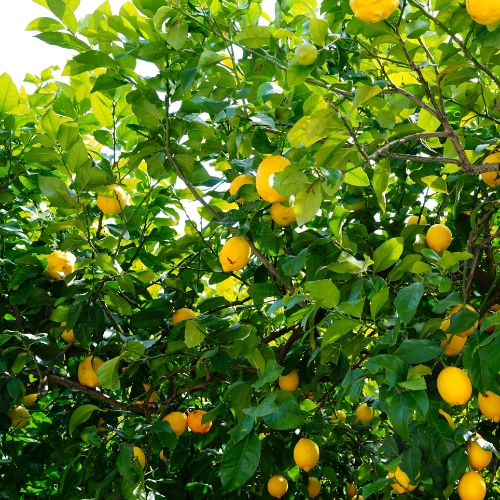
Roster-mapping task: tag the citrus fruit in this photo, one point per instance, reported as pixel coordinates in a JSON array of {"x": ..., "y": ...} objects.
[
  {"x": 364, "y": 412},
  {"x": 239, "y": 181},
  {"x": 20, "y": 417},
  {"x": 373, "y": 11},
  {"x": 234, "y": 254},
  {"x": 416, "y": 219},
  {"x": 402, "y": 481},
  {"x": 458, "y": 308},
  {"x": 87, "y": 371},
  {"x": 182, "y": 314},
  {"x": 314, "y": 487},
  {"x": 29, "y": 399},
  {"x": 489, "y": 404},
  {"x": 490, "y": 328},
  {"x": 306, "y": 54},
  {"x": 448, "y": 418},
  {"x": 306, "y": 454},
  {"x": 100, "y": 425},
  {"x": 478, "y": 457},
  {"x": 351, "y": 490},
  {"x": 178, "y": 422},
  {"x": 68, "y": 336},
  {"x": 484, "y": 12},
  {"x": 60, "y": 264},
  {"x": 116, "y": 203},
  {"x": 454, "y": 386},
  {"x": 471, "y": 486},
  {"x": 152, "y": 397},
  {"x": 284, "y": 216},
  {"x": 455, "y": 345},
  {"x": 495, "y": 307},
  {"x": 360, "y": 205},
  {"x": 194, "y": 422},
  {"x": 266, "y": 170},
  {"x": 140, "y": 456},
  {"x": 277, "y": 486},
  {"x": 339, "y": 415},
  {"x": 289, "y": 382},
  {"x": 162, "y": 456},
  {"x": 438, "y": 237}
]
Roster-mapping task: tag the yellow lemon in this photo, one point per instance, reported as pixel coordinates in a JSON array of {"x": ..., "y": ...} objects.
[
  {"x": 277, "y": 486},
  {"x": 178, "y": 422},
  {"x": 234, "y": 254},
  {"x": 416, "y": 219},
  {"x": 360, "y": 205},
  {"x": 140, "y": 456},
  {"x": 484, "y": 12},
  {"x": 20, "y": 417},
  {"x": 268, "y": 168},
  {"x": 495, "y": 307},
  {"x": 458, "y": 308},
  {"x": 454, "y": 386},
  {"x": 29, "y": 399},
  {"x": 152, "y": 397},
  {"x": 87, "y": 371},
  {"x": 100, "y": 425},
  {"x": 351, "y": 490},
  {"x": 478, "y": 458},
  {"x": 182, "y": 314},
  {"x": 402, "y": 481},
  {"x": 239, "y": 181},
  {"x": 339, "y": 415},
  {"x": 284, "y": 216},
  {"x": 194, "y": 422},
  {"x": 489, "y": 405},
  {"x": 306, "y": 54},
  {"x": 68, "y": 336},
  {"x": 456, "y": 343},
  {"x": 364, "y": 412},
  {"x": 448, "y": 418},
  {"x": 60, "y": 264},
  {"x": 471, "y": 486},
  {"x": 289, "y": 382},
  {"x": 115, "y": 204},
  {"x": 162, "y": 456},
  {"x": 306, "y": 454},
  {"x": 373, "y": 11},
  {"x": 438, "y": 237},
  {"x": 313, "y": 487}
]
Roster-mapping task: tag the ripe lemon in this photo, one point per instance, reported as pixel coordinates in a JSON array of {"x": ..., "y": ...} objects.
[
  {"x": 364, "y": 412},
  {"x": 414, "y": 219},
  {"x": 267, "y": 168},
  {"x": 490, "y": 328},
  {"x": 60, "y": 264},
  {"x": 100, "y": 425},
  {"x": 402, "y": 481},
  {"x": 277, "y": 486},
  {"x": 306, "y": 454},
  {"x": 454, "y": 386},
  {"x": 373, "y": 11},
  {"x": 339, "y": 415},
  {"x": 140, "y": 456},
  {"x": 68, "y": 336},
  {"x": 194, "y": 422},
  {"x": 458, "y": 308},
  {"x": 29, "y": 399},
  {"x": 234, "y": 254},
  {"x": 87, "y": 371},
  {"x": 471, "y": 486},
  {"x": 489, "y": 404},
  {"x": 284, "y": 216},
  {"x": 20, "y": 417},
  {"x": 456, "y": 344},
  {"x": 239, "y": 181},
  {"x": 289, "y": 382},
  {"x": 182, "y": 314},
  {"x": 478, "y": 458},
  {"x": 162, "y": 456},
  {"x": 178, "y": 422},
  {"x": 351, "y": 490},
  {"x": 115, "y": 204},
  {"x": 495, "y": 307},
  {"x": 484, "y": 12},
  {"x": 306, "y": 54},
  {"x": 152, "y": 397},
  {"x": 448, "y": 418},
  {"x": 438, "y": 237},
  {"x": 314, "y": 487}
]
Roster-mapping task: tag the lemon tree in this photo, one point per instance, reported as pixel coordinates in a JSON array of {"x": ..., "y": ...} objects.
[{"x": 252, "y": 251}]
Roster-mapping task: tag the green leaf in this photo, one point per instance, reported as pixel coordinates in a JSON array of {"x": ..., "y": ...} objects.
[
  {"x": 307, "y": 204},
  {"x": 57, "y": 192},
  {"x": 177, "y": 35},
  {"x": 107, "y": 374},
  {"x": 387, "y": 254},
  {"x": 398, "y": 416},
  {"x": 254, "y": 36},
  {"x": 337, "y": 330},
  {"x": 102, "y": 107},
  {"x": 378, "y": 301},
  {"x": 9, "y": 96},
  {"x": 239, "y": 462},
  {"x": 146, "y": 112},
  {"x": 318, "y": 29},
  {"x": 243, "y": 429},
  {"x": 436, "y": 183},
  {"x": 475, "y": 361},
  {"x": 80, "y": 415},
  {"x": 356, "y": 177},
  {"x": 294, "y": 265},
  {"x": 44, "y": 24},
  {"x": 411, "y": 462},
  {"x": 50, "y": 123},
  {"x": 266, "y": 407},
  {"x": 290, "y": 181},
  {"x": 456, "y": 465},
  {"x": 378, "y": 485},
  {"x": 414, "y": 351},
  {"x": 271, "y": 373},
  {"x": 165, "y": 433},
  {"x": 427, "y": 122},
  {"x": 462, "y": 321},
  {"x": 68, "y": 134},
  {"x": 64, "y": 40},
  {"x": 193, "y": 335},
  {"x": 363, "y": 94},
  {"x": 65, "y": 13},
  {"x": 380, "y": 181},
  {"x": 19, "y": 362},
  {"x": 324, "y": 292},
  {"x": 395, "y": 369},
  {"x": 297, "y": 74},
  {"x": 407, "y": 301},
  {"x": 288, "y": 416},
  {"x": 89, "y": 177}
]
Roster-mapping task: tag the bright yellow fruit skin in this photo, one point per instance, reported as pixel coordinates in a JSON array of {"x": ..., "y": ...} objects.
[
  {"x": 140, "y": 456},
  {"x": 152, "y": 397},
  {"x": 484, "y": 12},
  {"x": 100, "y": 425},
  {"x": 239, "y": 181},
  {"x": 162, "y": 456},
  {"x": 438, "y": 237},
  {"x": 68, "y": 336},
  {"x": 194, "y": 422},
  {"x": 20, "y": 417},
  {"x": 448, "y": 418},
  {"x": 414, "y": 219},
  {"x": 60, "y": 264},
  {"x": 277, "y": 486},
  {"x": 489, "y": 405},
  {"x": 471, "y": 486},
  {"x": 314, "y": 487},
  {"x": 456, "y": 344},
  {"x": 235, "y": 254},
  {"x": 266, "y": 169},
  {"x": 458, "y": 308},
  {"x": 113, "y": 206},
  {"x": 87, "y": 371},
  {"x": 373, "y": 11},
  {"x": 402, "y": 481},
  {"x": 454, "y": 386},
  {"x": 178, "y": 422},
  {"x": 306, "y": 454},
  {"x": 182, "y": 314},
  {"x": 351, "y": 490},
  {"x": 284, "y": 216},
  {"x": 289, "y": 382},
  {"x": 478, "y": 458},
  {"x": 339, "y": 415},
  {"x": 364, "y": 412},
  {"x": 29, "y": 399},
  {"x": 306, "y": 54}
]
